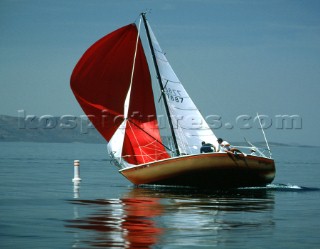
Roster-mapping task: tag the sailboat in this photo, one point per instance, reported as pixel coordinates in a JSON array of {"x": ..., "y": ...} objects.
[{"x": 113, "y": 85}]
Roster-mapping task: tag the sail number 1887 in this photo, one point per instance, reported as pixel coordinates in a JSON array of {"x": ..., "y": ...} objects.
[{"x": 174, "y": 95}]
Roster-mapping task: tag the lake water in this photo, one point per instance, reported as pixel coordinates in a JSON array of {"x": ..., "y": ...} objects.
[{"x": 40, "y": 207}]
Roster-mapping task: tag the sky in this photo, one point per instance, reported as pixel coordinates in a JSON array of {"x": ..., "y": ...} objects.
[{"x": 234, "y": 57}]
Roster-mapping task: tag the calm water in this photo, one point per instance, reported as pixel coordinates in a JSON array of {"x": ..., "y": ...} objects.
[{"x": 41, "y": 208}]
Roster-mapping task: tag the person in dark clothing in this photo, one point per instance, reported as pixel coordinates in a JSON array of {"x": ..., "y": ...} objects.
[{"x": 207, "y": 148}]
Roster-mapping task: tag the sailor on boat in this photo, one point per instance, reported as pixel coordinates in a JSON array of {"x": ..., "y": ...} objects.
[
  {"x": 207, "y": 147},
  {"x": 253, "y": 152},
  {"x": 224, "y": 146}
]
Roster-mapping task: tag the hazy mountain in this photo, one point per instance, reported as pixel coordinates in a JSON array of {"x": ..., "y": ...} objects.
[
  {"x": 64, "y": 129},
  {"x": 48, "y": 128}
]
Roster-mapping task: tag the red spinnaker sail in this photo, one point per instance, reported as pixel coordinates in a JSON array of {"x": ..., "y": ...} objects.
[{"x": 100, "y": 82}]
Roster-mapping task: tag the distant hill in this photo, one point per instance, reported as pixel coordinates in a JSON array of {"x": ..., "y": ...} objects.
[
  {"x": 64, "y": 129},
  {"x": 48, "y": 128}
]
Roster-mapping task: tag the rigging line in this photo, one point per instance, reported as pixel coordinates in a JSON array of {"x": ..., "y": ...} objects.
[
  {"x": 128, "y": 155},
  {"x": 178, "y": 82},
  {"x": 178, "y": 132},
  {"x": 135, "y": 54},
  {"x": 143, "y": 154},
  {"x": 127, "y": 100},
  {"x": 130, "y": 121},
  {"x": 136, "y": 141},
  {"x": 265, "y": 138},
  {"x": 184, "y": 109},
  {"x": 146, "y": 146},
  {"x": 161, "y": 95},
  {"x": 150, "y": 146},
  {"x": 253, "y": 146},
  {"x": 177, "y": 152},
  {"x": 138, "y": 17}
]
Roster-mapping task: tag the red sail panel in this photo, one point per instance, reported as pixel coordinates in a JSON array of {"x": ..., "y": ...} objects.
[
  {"x": 101, "y": 79},
  {"x": 140, "y": 145},
  {"x": 100, "y": 82}
]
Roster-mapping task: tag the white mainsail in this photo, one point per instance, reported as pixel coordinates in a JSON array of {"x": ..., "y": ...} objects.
[{"x": 189, "y": 125}]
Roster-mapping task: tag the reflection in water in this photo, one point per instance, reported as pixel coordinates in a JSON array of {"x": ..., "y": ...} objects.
[
  {"x": 125, "y": 222},
  {"x": 148, "y": 217}
]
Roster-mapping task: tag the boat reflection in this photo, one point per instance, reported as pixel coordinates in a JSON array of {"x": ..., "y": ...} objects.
[
  {"x": 143, "y": 218},
  {"x": 123, "y": 223}
]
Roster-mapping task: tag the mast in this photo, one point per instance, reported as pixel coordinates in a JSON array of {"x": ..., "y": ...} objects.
[{"x": 160, "y": 84}]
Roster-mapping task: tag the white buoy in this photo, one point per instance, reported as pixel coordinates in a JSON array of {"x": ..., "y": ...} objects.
[
  {"x": 76, "y": 177},
  {"x": 76, "y": 188}
]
